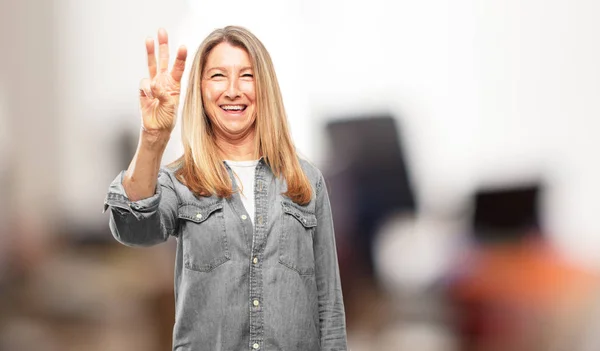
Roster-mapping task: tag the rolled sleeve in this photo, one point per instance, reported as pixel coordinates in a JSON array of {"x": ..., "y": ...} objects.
[
  {"x": 117, "y": 199},
  {"x": 144, "y": 222}
]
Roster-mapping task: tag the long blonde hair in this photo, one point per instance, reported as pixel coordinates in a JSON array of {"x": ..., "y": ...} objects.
[{"x": 201, "y": 167}]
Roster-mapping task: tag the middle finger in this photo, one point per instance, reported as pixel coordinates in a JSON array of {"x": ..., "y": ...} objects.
[{"x": 163, "y": 50}]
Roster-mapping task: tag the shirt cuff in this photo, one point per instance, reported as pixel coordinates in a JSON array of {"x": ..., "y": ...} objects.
[{"x": 116, "y": 198}]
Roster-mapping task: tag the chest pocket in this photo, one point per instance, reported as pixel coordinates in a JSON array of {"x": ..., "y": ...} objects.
[
  {"x": 296, "y": 238},
  {"x": 204, "y": 237}
]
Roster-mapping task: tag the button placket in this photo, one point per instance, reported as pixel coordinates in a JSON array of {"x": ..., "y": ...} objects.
[{"x": 258, "y": 244}]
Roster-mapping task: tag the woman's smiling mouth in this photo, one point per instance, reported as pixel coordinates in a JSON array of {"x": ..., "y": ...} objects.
[{"x": 238, "y": 108}]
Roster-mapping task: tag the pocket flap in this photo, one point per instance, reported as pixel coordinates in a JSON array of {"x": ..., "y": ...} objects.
[
  {"x": 196, "y": 213},
  {"x": 307, "y": 219}
]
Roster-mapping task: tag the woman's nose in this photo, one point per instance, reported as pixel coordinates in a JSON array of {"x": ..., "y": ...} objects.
[{"x": 233, "y": 89}]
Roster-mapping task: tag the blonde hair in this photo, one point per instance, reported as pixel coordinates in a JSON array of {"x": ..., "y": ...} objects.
[{"x": 201, "y": 167}]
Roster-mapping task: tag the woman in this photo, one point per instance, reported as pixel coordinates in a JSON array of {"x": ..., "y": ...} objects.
[{"x": 256, "y": 265}]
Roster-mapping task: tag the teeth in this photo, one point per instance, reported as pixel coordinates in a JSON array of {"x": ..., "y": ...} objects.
[{"x": 233, "y": 107}]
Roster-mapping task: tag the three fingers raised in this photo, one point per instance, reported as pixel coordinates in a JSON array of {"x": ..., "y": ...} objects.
[{"x": 163, "y": 57}]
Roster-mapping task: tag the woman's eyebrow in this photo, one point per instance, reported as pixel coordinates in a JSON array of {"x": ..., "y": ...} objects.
[{"x": 225, "y": 69}]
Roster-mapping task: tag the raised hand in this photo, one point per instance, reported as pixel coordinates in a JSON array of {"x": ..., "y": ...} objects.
[{"x": 159, "y": 94}]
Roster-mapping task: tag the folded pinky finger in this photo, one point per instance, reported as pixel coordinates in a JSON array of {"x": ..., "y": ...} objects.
[{"x": 145, "y": 89}]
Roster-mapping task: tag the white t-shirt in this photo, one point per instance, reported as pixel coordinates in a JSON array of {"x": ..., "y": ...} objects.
[{"x": 244, "y": 172}]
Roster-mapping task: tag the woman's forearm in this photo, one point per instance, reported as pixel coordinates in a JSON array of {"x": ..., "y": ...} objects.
[{"x": 140, "y": 178}]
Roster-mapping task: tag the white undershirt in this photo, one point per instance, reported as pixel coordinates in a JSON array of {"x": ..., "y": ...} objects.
[{"x": 244, "y": 172}]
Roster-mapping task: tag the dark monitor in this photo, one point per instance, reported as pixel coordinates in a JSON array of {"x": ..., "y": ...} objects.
[
  {"x": 506, "y": 214},
  {"x": 372, "y": 149}
]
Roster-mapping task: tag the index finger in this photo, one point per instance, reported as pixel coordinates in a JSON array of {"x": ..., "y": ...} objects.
[{"x": 179, "y": 65}]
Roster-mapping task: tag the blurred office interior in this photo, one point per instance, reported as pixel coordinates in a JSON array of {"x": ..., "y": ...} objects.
[{"x": 459, "y": 141}]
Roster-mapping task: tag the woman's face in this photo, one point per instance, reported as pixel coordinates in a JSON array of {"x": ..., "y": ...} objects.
[{"x": 228, "y": 91}]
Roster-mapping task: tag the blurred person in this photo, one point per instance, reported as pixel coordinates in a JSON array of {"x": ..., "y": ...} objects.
[{"x": 256, "y": 265}]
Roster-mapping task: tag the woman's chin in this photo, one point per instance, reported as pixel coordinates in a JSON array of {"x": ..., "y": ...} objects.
[{"x": 237, "y": 128}]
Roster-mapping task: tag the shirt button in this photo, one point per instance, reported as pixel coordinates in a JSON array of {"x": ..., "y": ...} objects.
[
  {"x": 244, "y": 217},
  {"x": 255, "y": 303},
  {"x": 255, "y": 346},
  {"x": 199, "y": 215},
  {"x": 255, "y": 260}
]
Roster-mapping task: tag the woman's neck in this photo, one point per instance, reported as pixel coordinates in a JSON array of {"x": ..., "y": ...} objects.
[{"x": 241, "y": 149}]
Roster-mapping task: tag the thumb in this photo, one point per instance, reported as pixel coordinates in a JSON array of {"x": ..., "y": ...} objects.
[{"x": 159, "y": 93}]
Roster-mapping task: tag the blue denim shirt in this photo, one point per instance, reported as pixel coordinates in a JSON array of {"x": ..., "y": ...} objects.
[{"x": 274, "y": 285}]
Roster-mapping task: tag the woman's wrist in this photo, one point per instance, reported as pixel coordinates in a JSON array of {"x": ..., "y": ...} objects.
[{"x": 154, "y": 139}]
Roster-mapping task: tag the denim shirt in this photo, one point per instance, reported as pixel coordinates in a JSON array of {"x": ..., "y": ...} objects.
[{"x": 273, "y": 285}]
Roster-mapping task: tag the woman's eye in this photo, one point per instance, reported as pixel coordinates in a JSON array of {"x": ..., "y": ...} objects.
[
  {"x": 217, "y": 75},
  {"x": 247, "y": 75}
]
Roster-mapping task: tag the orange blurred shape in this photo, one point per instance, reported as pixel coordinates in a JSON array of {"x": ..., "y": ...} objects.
[{"x": 531, "y": 272}]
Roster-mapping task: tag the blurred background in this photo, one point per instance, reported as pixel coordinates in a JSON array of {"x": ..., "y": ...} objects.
[{"x": 458, "y": 140}]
